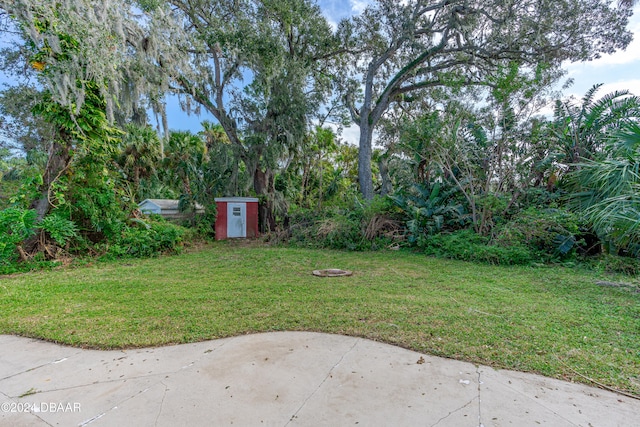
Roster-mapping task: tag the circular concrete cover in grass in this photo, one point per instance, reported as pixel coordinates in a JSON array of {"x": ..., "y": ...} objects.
[{"x": 332, "y": 272}]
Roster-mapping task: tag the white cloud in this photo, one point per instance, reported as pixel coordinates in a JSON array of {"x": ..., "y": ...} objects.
[
  {"x": 621, "y": 57},
  {"x": 618, "y": 71},
  {"x": 547, "y": 111},
  {"x": 351, "y": 134},
  {"x": 331, "y": 22},
  {"x": 358, "y": 6},
  {"x": 632, "y": 86}
]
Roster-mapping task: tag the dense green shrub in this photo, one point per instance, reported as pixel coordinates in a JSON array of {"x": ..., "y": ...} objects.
[
  {"x": 615, "y": 264},
  {"x": 466, "y": 245},
  {"x": 329, "y": 228},
  {"x": 361, "y": 227},
  {"x": 143, "y": 239},
  {"x": 95, "y": 203},
  {"x": 140, "y": 239},
  {"x": 429, "y": 209},
  {"x": 16, "y": 225},
  {"x": 340, "y": 232},
  {"x": 61, "y": 230},
  {"x": 550, "y": 233}
]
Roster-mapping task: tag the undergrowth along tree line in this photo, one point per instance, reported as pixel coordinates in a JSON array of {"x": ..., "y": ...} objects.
[{"x": 464, "y": 165}]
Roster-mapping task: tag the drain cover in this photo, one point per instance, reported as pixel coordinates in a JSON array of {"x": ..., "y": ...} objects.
[{"x": 332, "y": 272}]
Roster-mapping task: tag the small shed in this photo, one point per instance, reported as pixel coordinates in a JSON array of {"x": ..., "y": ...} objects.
[
  {"x": 168, "y": 208},
  {"x": 237, "y": 217}
]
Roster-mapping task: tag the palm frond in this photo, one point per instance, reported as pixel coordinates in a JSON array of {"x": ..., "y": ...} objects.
[
  {"x": 587, "y": 99},
  {"x": 625, "y": 142}
]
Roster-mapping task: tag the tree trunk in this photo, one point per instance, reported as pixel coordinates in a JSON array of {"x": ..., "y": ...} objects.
[
  {"x": 59, "y": 158},
  {"x": 234, "y": 178},
  {"x": 365, "y": 177},
  {"x": 305, "y": 179},
  {"x": 387, "y": 185},
  {"x": 263, "y": 184}
]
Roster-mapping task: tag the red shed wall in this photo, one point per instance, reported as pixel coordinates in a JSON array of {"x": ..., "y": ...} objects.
[
  {"x": 221, "y": 221},
  {"x": 252, "y": 219}
]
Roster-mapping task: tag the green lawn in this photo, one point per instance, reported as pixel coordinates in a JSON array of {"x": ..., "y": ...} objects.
[{"x": 552, "y": 321}]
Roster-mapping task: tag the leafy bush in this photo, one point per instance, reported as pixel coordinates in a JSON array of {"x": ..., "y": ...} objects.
[
  {"x": 616, "y": 264},
  {"x": 428, "y": 209},
  {"x": 340, "y": 232},
  {"x": 202, "y": 225},
  {"x": 540, "y": 197},
  {"x": 147, "y": 239},
  {"x": 466, "y": 245},
  {"x": 330, "y": 228},
  {"x": 60, "y": 229},
  {"x": 16, "y": 225},
  {"x": 605, "y": 190},
  {"x": 550, "y": 233},
  {"x": 17, "y": 222},
  {"x": 361, "y": 227},
  {"x": 97, "y": 208}
]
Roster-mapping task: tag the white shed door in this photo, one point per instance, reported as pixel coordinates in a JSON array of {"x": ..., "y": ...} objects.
[{"x": 236, "y": 220}]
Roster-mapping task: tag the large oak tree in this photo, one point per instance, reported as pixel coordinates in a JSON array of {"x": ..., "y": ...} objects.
[{"x": 420, "y": 44}]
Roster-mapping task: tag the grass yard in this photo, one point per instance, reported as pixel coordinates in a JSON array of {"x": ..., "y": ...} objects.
[{"x": 553, "y": 321}]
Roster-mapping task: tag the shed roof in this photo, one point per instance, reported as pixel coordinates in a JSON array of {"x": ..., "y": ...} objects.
[
  {"x": 167, "y": 204},
  {"x": 237, "y": 199}
]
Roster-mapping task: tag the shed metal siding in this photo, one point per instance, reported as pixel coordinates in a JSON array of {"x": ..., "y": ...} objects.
[
  {"x": 221, "y": 221},
  {"x": 252, "y": 219}
]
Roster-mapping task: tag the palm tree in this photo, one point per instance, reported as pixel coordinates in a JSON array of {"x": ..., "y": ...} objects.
[
  {"x": 213, "y": 134},
  {"x": 140, "y": 155},
  {"x": 222, "y": 172},
  {"x": 185, "y": 156},
  {"x": 582, "y": 129},
  {"x": 607, "y": 192}
]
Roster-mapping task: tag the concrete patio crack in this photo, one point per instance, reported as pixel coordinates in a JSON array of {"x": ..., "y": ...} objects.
[
  {"x": 97, "y": 417},
  {"x": 322, "y": 382},
  {"x": 479, "y": 397},
  {"x": 161, "y": 402},
  {"x": 36, "y": 367},
  {"x": 62, "y": 359},
  {"x": 117, "y": 380},
  {"x": 162, "y": 374},
  {"x": 454, "y": 411},
  {"x": 165, "y": 374}
]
